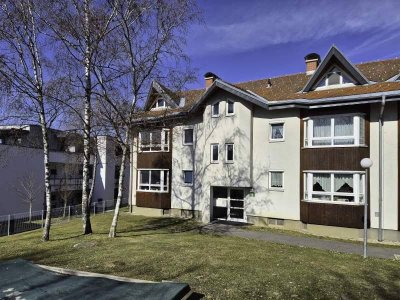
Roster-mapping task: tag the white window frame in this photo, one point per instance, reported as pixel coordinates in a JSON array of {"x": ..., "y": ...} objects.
[
  {"x": 183, "y": 137},
  {"x": 155, "y": 105},
  {"x": 226, "y": 153},
  {"x": 226, "y": 107},
  {"x": 270, "y": 187},
  {"x": 212, "y": 110},
  {"x": 309, "y": 132},
  {"x": 357, "y": 193},
  {"x": 164, "y": 146},
  {"x": 161, "y": 185},
  {"x": 339, "y": 85},
  {"x": 183, "y": 178},
  {"x": 211, "y": 152},
  {"x": 270, "y": 131}
]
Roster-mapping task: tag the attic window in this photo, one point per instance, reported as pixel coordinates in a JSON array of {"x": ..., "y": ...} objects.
[
  {"x": 160, "y": 103},
  {"x": 334, "y": 78}
]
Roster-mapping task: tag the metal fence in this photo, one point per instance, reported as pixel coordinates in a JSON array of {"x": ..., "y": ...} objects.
[{"x": 21, "y": 222}]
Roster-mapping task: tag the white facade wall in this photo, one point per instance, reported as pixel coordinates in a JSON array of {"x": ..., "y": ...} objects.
[
  {"x": 224, "y": 129},
  {"x": 276, "y": 156},
  {"x": 238, "y": 129},
  {"x": 390, "y": 166}
]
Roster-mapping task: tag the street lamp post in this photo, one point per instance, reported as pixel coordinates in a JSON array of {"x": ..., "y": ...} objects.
[{"x": 366, "y": 163}]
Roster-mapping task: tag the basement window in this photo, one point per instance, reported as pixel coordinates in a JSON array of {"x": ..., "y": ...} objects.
[{"x": 334, "y": 187}]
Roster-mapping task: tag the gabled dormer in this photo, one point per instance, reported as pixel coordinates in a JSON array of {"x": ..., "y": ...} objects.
[
  {"x": 160, "y": 97},
  {"x": 335, "y": 71}
]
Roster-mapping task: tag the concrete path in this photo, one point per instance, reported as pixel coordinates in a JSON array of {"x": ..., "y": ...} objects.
[{"x": 310, "y": 242}]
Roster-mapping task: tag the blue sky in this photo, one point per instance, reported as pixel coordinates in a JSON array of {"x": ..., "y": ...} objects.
[{"x": 242, "y": 40}]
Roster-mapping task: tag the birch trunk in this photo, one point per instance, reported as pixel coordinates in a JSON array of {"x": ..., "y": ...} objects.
[
  {"x": 30, "y": 211},
  {"x": 87, "y": 228},
  {"x": 47, "y": 223},
  {"x": 121, "y": 179}
]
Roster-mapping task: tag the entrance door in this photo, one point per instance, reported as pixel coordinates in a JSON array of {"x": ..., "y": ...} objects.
[{"x": 228, "y": 204}]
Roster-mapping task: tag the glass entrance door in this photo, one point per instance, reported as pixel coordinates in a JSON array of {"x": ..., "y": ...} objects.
[{"x": 228, "y": 204}]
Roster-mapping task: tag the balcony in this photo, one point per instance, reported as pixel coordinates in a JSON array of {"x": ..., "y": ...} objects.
[{"x": 62, "y": 184}]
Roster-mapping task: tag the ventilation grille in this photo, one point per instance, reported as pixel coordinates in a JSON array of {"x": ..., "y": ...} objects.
[{"x": 273, "y": 221}]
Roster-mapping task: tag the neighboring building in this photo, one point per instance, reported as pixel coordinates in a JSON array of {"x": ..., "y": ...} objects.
[
  {"x": 280, "y": 151},
  {"x": 22, "y": 169}
]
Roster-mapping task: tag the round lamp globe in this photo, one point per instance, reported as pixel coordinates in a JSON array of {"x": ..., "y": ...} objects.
[{"x": 366, "y": 163}]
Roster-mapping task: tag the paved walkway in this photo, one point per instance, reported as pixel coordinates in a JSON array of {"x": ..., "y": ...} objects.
[{"x": 310, "y": 242}]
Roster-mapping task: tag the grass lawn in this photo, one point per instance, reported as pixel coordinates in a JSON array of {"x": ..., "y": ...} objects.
[{"x": 219, "y": 267}]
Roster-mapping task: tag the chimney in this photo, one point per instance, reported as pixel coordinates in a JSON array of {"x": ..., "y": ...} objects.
[
  {"x": 210, "y": 78},
  {"x": 312, "y": 62}
]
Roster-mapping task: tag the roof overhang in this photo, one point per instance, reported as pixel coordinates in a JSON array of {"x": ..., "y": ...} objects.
[
  {"x": 246, "y": 95},
  {"x": 335, "y": 101}
]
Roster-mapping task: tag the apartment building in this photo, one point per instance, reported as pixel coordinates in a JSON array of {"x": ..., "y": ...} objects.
[
  {"x": 281, "y": 151},
  {"x": 22, "y": 170}
]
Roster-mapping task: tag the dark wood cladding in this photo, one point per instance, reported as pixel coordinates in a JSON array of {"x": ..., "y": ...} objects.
[
  {"x": 155, "y": 160},
  {"x": 153, "y": 200},
  {"x": 341, "y": 215},
  {"x": 337, "y": 159},
  {"x": 333, "y": 159}
]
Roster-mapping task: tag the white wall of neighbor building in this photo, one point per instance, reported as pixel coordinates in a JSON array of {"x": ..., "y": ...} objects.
[
  {"x": 105, "y": 180},
  {"x": 390, "y": 166},
  {"x": 276, "y": 156},
  {"x": 15, "y": 164},
  {"x": 18, "y": 162}
]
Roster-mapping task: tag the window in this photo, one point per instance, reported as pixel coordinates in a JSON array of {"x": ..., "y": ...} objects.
[
  {"x": 214, "y": 153},
  {"x": 230, "y": 108},
  {"x": 188, "y": 136},
  {"x": 215, "y": 110},
  {"x": 276, "y": 180},
  {"x": 1, "y": 141},
  {"x": 342, "y": 130},
  {"x": 159, "y": 103},
  {"x": 188, "y": 177},
  {"x": 229, "y": 149},
  {"x": 276, "y": 133},
  {"x": 154, "y": 141},
  {"x": 338, "y": 187},
  {"x": 334, "y": 77},
  {"x": 153, "y": 180}
]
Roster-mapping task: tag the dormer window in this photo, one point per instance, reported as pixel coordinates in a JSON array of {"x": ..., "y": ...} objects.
[
  {"x": 159, "y": 103},
  {"x": 334, "y": 78}
]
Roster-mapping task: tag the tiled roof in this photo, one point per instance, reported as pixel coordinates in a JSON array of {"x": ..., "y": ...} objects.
[{"x": 289, "y": 86}]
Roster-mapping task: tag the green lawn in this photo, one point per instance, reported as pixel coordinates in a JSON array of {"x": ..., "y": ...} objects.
[{"x": 218, "y": 266}]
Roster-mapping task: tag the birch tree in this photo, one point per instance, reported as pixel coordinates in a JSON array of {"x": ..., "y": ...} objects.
[
  {"x": 25, "y": 68},
  {"x": 80, "y": 27},
  {"x": 148, "y": 44},
  {"x": 28, "y": 189}
]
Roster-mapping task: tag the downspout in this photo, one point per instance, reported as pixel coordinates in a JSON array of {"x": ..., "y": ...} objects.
[
  {"x": 380, "y": 199},
  {"x": 251, "y": 148}
]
